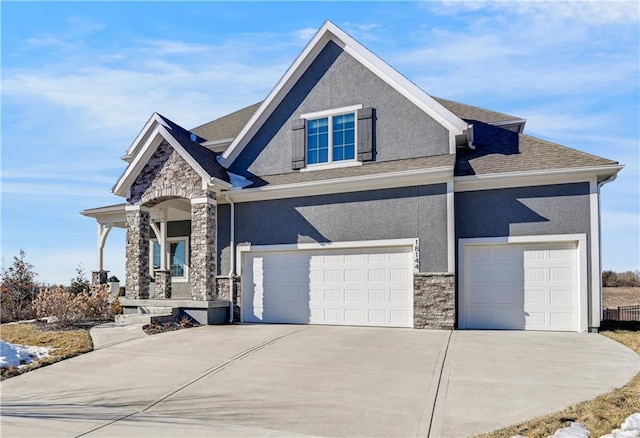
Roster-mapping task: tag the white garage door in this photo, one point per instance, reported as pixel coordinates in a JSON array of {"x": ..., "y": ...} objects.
[
  {"x": 530, "y": 287},
  {"x": 368, "y": 286}
]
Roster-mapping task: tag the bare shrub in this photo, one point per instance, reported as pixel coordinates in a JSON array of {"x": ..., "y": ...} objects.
[
  {"x": 116, "y": 307},
  {"x": 59, "y": 303},
  {"x": 69, "y": 308},
  {"x": 94, "y": 303}
]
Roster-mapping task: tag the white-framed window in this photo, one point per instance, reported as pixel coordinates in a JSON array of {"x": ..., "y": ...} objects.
[
  {"x": 331, "y": 137},
  {"x": 177, "y": 256}
]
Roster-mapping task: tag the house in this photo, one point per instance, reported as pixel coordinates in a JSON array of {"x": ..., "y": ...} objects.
[{"x": 350, "y": 196}]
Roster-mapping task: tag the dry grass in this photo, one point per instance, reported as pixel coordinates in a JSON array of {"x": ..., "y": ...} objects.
[
  {"x": 613, "y": 297},
  {"x": 600, "y": 415},
  {"x": 66, "y": 344}
]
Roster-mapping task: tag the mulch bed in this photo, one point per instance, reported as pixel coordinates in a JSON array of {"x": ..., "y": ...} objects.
[{"x": 156, "y": 328}]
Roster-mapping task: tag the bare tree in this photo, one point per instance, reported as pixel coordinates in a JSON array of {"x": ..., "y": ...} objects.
[{"x": 18, "y": 288}]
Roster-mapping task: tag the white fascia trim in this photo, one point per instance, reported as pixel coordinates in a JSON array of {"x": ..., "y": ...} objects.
[
  {"x": 351, "y": 184},
  {"x": 520, "y": 122},
  {"x": 135, "y": 145},
  {"x": 138, "y": 162},
  {"x": 531, "y": 178},
  {"x": 330, "y": 32},
  {"x": 244, "y": 248},
  {"x": 282, "y": 87},
  {"x": 331, "y": 112},
  {"x": 188, "y": 158},
  {"x": 203, "y": 201},
  {"x": 580, "y": 239},
  {"x": 136, "y": 207},
  {"x": 332, "y": 165}
]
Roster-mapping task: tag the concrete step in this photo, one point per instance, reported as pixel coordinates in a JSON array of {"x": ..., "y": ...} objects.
[
  {"x": 156, "y": 310},
  {"x": 144, "y": 318}
]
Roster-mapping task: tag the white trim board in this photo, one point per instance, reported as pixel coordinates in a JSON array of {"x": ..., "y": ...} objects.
[
  {"x": 331, "y": 32},
  {"x": 242, "y": 249},
  {"x": 406, "y": 178},
  {"x": 583, "y": 283},
  {"x": 531, "y": 178}
]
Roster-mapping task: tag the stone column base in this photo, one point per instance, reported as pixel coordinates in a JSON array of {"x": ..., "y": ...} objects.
[
  {"x": 163, "y": 284},
  {"x": 222, "y": 292},
  {"x": 99, "y": 277},
  {"x": 434, "y": 304}
]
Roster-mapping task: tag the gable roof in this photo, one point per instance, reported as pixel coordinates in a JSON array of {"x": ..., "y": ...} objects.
[
  {"x": 469, "y": 112},
  {"x": 229, "y": 126},
  {"x": 330, "y": 32},
  {"x": 157, "y": 129},
  {"x": 226, "y": 127},
  {"x": 499, "y": 150}
]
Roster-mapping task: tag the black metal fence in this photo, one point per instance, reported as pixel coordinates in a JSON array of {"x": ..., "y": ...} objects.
[{"x": 626, "y": 313}]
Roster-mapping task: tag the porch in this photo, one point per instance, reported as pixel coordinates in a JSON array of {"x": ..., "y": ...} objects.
[{"x": 160, "y": 256}]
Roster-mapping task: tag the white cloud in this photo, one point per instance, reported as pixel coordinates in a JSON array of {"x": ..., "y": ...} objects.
[
  {"x": 593, "y": 12},
  {"x": 305, "y": 34}
]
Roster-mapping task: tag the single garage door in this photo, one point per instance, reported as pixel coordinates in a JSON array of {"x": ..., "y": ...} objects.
[
  {"x": 530, "y": 287},
  {"x": 367, "y": 286}
]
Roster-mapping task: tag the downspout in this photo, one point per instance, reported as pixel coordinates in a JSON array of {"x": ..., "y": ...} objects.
[
  {"x": 469, "y": 133},
  {"x": 600, "y": 184},
  {"x": 232, "y": 257}
]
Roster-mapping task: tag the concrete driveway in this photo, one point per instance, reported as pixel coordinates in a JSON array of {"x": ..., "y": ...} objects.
[{"x": 289, "y": 380}]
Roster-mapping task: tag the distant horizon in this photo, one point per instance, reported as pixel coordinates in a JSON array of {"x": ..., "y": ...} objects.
[{"x": 80, "y": 79}]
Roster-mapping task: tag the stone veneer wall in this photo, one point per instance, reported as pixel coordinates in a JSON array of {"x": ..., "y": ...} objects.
[
  {"x": 163, "y": 284},
  {"x": 434, "y": 304},
  {"x": 138, "y": 235},
  {"x": 202, "y": 271},
  {"x": 222, "y": 290},
  {"x": 166, "y": 175}
]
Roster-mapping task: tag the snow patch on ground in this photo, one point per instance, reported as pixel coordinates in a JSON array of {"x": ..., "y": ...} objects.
[
  {"x": 629, "y": 429},
  {"x": 576, "y": 430},
  {"x": 13, "y": 355}
]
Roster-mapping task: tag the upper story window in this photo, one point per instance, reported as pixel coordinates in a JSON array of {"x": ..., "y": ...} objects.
[{"x": 331, "y": 139}]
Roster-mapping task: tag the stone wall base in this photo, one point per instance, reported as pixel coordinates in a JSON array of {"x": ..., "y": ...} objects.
[
  {"x": 99, "y": 277},
  {"x": 222, "y": 291},
  {"x": 434, "y": 305}
]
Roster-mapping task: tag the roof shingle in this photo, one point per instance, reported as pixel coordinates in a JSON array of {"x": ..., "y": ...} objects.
[{"x": 499, "y": 150}]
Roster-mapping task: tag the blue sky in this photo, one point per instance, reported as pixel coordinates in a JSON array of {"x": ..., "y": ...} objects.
[{"x": 79, "y": 80}]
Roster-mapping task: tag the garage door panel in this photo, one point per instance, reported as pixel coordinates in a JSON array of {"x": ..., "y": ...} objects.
[
  {"x": 565, "y": 296},
  {"x": 530, "y": 286},
  {"x": 353, "y": 286}
]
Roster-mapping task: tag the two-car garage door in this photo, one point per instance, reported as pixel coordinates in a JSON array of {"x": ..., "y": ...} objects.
[
  {"x": 520, "y": 286},
  {"x": 348, "y": 286}
]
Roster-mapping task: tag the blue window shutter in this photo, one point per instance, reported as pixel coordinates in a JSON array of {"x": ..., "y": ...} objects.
[
  {"x": 366, "y": 133},
  {"x": 298, "y": 143}
]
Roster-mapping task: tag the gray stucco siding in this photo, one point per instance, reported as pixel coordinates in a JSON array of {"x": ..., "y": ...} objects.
[
  {"x": 334, "y": 80},
  {"x": 399, "y": 213},
  {"x": 537, "y": 210}
]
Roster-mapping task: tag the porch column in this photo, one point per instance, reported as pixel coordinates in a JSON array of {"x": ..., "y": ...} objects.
[
  {"x": 162, "y": 274},
  {"x": 203, "y": 247},
  {"x": 99, "y": 276},
  {"x": 138, "y": 235}
]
